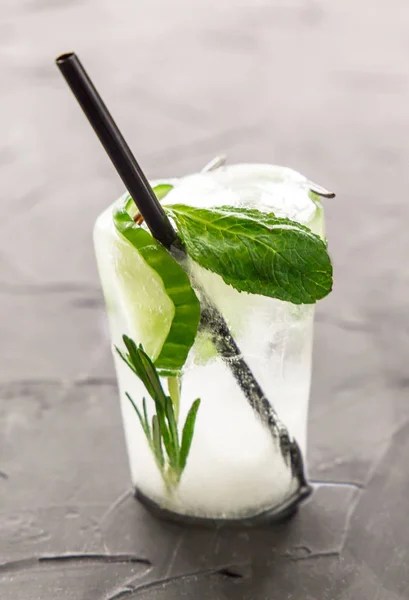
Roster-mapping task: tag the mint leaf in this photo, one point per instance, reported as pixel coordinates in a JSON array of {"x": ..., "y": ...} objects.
[
  {"x": 177, "y": 285},
  {"x": 256, "y": 252}
]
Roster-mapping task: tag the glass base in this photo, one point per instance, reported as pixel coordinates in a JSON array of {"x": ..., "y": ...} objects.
[{"x": 278, "y": 514}]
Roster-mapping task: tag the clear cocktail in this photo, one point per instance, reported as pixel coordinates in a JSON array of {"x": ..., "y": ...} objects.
[{"x": 214, "y": 371}]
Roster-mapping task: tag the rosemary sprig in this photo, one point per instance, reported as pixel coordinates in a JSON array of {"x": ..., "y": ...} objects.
[{"x": 169, "y": 449}]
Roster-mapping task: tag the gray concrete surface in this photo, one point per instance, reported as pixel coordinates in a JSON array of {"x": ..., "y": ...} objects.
[{"x": 320, "y": 86}]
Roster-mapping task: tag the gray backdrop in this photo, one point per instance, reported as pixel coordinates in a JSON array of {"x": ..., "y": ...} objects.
[{"x": 319, "y": 86}]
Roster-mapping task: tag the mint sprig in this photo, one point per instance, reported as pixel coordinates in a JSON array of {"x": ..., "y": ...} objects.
[
  {"x": 162, "y": 433},
  {"x": 256, "y": 252}
]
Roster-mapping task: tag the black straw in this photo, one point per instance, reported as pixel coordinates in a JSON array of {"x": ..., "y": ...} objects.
[{"x": 116, "y": 148}]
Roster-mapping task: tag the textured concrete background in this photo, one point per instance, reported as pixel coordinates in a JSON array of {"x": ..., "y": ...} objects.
[{"x": 320, "y": 86}]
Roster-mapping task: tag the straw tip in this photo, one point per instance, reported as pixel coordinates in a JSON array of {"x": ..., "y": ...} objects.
[{"x": 63, "y": 58}]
